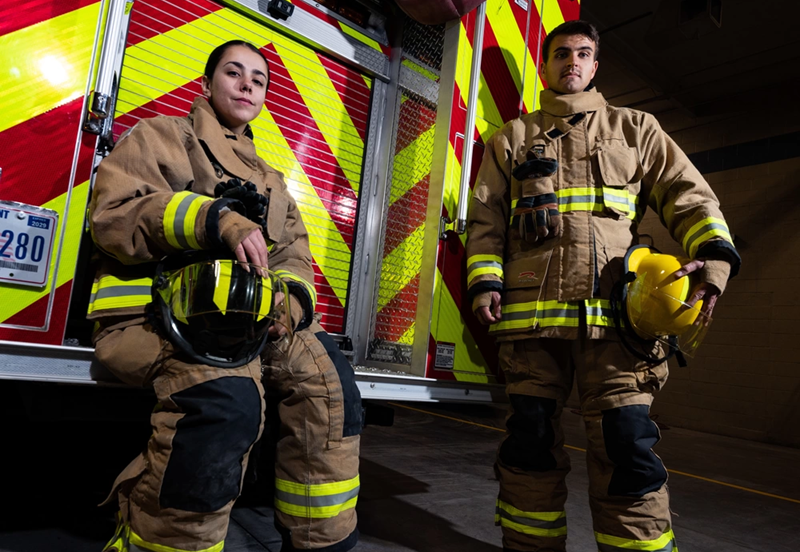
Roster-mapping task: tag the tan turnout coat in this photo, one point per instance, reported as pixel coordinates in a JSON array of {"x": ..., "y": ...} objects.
[
  {"x": 153, "y": 197},
  {"x": 613, "y": 163}
]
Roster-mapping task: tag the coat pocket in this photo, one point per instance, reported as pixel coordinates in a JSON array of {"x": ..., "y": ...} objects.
[
  {"x": 525, "y": 273},
  {"x": 619, "y": 170},
  {"x": 523, "y": 289},
  {"x": 276, "y": 216}
]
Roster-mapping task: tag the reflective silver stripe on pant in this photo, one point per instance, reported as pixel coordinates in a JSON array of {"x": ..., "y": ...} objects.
[
  {"x": 538, "y": 523},
  {"x": 316, "y": 501}
]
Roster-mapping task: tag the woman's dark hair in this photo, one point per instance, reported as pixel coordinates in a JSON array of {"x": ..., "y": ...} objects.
[
  {"x": 219, "y": 51},
  {"x": 570, "y": 28}
]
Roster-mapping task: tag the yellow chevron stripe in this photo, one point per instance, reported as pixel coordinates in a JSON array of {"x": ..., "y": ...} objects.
[
  {"x": 411, "y": 164},
  {"x": 551, "y": 16},
  {"x": 404, "y": 262},
  {"x": 509, "y": 38},
  {"x": 327, "y": 109},
  {"x": 533, "y": 83},
  {"x": 448, "y": 325},
  {"x": 408, "y": 336},
  {"x": 420, "y": 69},
  {"x": 19, "y": 298},
  {"x": 327, "y": 246},
  {"x": 487, "y": 115},
  {"x": 451, "y": 181},
  {"x": 45, "y": 65},
  {"x": 181, "y": 55},
  {"x": 360, "y": 37}
]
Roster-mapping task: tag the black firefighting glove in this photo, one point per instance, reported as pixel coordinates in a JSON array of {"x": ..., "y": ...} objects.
[
  {"x": 535, "y": 166},
  {"x": 537, "y": 218},
  {"x": 255, "y": 204}
]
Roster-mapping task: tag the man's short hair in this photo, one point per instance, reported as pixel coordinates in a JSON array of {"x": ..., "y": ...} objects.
[{"x": 569, "y": 28}]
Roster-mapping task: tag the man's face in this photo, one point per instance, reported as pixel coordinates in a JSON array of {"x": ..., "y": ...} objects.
[{"x": 571, "y": 64}]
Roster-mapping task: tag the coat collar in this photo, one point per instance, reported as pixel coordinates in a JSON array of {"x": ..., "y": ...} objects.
[
  {"x": 237, "y": 156},
  {"x": 563, "y": 105}
]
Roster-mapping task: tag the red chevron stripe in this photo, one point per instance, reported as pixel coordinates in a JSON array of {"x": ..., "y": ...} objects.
[
  {"x": 498, "y": 76},
  {"x": 328, "y": 304},
  {"x": 406, "y": 215},
  {"x": 310, "y": 148},
  {"x": 35, "y": 314},
  {"x": 452, "y": 263},
  {"x": 387, "y": 321},
  {"x": 151, "y": 19},
  {"x": 333, "y": 22},
  {"x": 570, "y": 9},
  {"x": 24, "y": 13},
  {"x": 37, "y": 155},
  {"x": 457, "y": 122},
  {"x": 352, "y": 90},
  {"x": 416, "y": 120},
  {"x": 176, "y": 104}
]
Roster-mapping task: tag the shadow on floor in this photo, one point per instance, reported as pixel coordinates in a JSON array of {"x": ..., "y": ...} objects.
[{"x": 384, "y": 515}]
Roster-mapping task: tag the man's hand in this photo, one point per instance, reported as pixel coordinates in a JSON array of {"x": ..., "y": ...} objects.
[
  {"x": 490, "y": 315},
  {"x": 253, "y": 249},
  {"x": 709, "y": 293}
]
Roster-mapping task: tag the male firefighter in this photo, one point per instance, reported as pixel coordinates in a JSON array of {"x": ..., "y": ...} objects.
[{"x": 555, "y": 208}]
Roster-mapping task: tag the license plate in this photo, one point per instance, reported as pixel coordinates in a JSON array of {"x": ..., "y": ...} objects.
[{"x": 27, "y": 234}]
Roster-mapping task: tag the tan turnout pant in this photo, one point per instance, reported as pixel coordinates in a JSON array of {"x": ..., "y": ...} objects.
[
  {"x": 627, "y": 480},
  {"x": 177, "y": 495}
]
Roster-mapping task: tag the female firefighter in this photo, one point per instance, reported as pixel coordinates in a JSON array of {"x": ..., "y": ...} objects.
[{"x": 174, "y": 184}]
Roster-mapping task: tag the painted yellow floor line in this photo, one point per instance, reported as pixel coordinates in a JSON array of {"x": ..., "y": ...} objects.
[{"x": 709, "y": 480}]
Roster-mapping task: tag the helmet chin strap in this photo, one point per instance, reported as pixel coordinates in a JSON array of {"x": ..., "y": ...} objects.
[{"x": 618, "y": 296}]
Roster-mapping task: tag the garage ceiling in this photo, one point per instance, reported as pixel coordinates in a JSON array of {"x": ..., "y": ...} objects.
[{"x": 670, "y": 58}]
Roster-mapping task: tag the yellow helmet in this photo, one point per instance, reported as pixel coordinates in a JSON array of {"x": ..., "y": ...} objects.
[{"x": 654, "y": 301}]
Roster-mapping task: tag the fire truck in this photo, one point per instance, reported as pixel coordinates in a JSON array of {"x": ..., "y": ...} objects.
[{"x": 376, "y": 121}]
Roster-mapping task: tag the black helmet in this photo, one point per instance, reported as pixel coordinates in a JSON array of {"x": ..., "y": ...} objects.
[{"x": 215, "y": 311}]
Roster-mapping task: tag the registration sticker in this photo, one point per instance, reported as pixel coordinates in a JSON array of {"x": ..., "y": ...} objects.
[
  {"x": 445, "y": 355},
  {"x": 27, "y": 234}
]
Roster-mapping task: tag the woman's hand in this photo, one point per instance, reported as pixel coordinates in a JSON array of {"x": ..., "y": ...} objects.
[
  {"x": 253, "y": 249},
  {"x": 281, "y": 326}
]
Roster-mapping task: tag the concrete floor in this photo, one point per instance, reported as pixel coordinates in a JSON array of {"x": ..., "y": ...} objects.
[{"x": 427, "y": 485}]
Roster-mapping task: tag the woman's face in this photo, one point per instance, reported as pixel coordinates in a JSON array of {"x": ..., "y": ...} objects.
[{"x": 238, "y": 87}]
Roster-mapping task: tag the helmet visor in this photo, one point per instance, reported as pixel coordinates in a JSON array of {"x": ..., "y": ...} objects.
[
  {"x": 657, "y": 314},
  {"x": 236, "y": 301}
]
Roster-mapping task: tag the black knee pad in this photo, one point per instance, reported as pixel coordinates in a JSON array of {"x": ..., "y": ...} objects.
[
  {"x": 629, "y": 436},
  {"x": 531, "y": 434},
  {"x": 347, "y": 377},
  {"x": 221, "y": 423}
]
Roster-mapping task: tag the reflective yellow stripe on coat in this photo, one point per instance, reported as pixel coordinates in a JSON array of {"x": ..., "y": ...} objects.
[
  {"x": 286, "y": 275},
  {"x": 180, "y": 217},
  {"x": 541, "y": 524},
  {"x": 703, "y": 231},
  {"x": 596, "y": 200},
  {"x": 664, "y": 543},
  {"x": 547, "y": 314},
  {"x": 479, "y": 265},
  {"x": 325, "y": 500},
  {"x": 110, "y": 292}
]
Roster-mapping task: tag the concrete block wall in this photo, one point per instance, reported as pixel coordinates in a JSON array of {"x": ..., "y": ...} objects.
[{"x": 745, "y": 380}]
